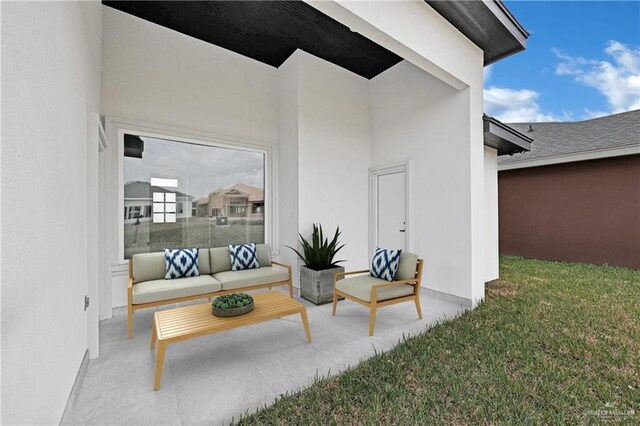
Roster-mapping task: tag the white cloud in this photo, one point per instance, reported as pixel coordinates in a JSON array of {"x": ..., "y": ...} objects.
[
  {"x": 589, "y": 114},
  {"x": 199, "y": 169},
  {"x": 516, "y": 105},
  {"x": 571, "y": 65},
  {"x": 618, "y": 79}
]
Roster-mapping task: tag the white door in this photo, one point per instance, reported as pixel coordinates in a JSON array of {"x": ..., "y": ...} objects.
[{"x": 391, "y": 226}]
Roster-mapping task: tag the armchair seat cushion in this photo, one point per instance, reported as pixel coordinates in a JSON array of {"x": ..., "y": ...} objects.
[
  {"x": 232, "y": 280},
  {"x": 360, "y": 288},
  {"x": 160, "y": 290}
]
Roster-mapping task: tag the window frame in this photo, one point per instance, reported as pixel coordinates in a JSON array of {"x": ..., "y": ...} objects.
[{"x": 118, "y": 127}]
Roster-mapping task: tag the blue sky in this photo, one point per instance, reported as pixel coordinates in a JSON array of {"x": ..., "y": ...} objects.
[{"x": 582, "y": 61}]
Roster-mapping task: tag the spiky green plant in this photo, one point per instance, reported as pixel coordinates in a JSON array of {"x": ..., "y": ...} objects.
[{"x": 319, "y": 254}]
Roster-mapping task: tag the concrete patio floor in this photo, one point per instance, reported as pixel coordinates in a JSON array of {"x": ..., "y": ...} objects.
[{"x": 216, "y": 378}]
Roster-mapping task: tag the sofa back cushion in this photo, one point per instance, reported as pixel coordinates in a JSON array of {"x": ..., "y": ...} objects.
[
  {"x": 152, "y": 266},
  {"x": 148, "y": 266},
  {"x": 407, "y": 267},
  {"x": 220, "y": 261},
  {"x": 204, "y": 263},
  {"x": 263, "y": 252}
]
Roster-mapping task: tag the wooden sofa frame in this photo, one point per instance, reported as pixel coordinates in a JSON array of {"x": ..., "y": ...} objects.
[
  {"x": 132, "y": 308},
  {"x": 374, "y": 304}
]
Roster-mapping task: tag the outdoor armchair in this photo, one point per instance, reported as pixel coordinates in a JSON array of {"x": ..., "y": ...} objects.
[{"x": 375, "y": 292}]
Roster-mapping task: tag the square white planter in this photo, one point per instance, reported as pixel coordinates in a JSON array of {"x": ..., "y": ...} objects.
[{"x": 317, "y": 286}]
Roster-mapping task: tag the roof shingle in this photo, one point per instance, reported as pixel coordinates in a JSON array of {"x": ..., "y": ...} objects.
[{"x": 554, "y": 139}]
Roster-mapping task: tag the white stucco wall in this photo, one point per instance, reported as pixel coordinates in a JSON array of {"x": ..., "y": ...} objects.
[
  {"x": 325, "y": 146},
  {"x": 51, "y": 86},
  {"x": 334, "y": 155},
  {"x": 288, "y": 162},
  {"x": 416, "y": 32},
  {"x": 157, "y": 75},
  {"x": 418, "y": 118},
  {"x": 413, "y": 30},
  {"x": 491, "y": 214}
]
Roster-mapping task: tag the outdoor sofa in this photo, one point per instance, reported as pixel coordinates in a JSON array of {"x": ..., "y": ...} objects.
[{"x": 148, "y": 288}]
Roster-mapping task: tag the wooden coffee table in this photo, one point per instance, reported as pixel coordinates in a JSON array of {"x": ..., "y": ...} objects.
[{"x": 187, "y": 322}]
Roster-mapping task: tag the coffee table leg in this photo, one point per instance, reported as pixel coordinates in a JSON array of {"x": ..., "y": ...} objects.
[
  {"x": 153, "y": 336},
  {"x": 162, "y": 348},
  {"x": 305, "y": 321}
]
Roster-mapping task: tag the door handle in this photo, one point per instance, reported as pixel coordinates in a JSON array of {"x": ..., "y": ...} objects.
[{"x": 402, "y": 230}]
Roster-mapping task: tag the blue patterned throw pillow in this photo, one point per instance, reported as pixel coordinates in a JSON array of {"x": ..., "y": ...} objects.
[
  {"x": 181, "y": 263},
  {"x": 243, "y": 256},
  {"x": 385, "y": 263}
]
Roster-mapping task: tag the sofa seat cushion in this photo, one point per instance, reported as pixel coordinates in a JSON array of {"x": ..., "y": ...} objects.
[
  {"x": 159, "y": 290},
  {"x": 360, "y": 287},
  {"x": 232, "y": 280}
]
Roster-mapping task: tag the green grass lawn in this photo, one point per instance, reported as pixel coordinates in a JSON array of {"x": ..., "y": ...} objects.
[
  {"x": 192, "y": 232},
  {"x": 552, "y": 343}
]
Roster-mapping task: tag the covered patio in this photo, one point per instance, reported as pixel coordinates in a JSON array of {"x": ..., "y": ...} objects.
[
  {"x": 215, "y": 379},
  {"x": 309, "y": 103}
]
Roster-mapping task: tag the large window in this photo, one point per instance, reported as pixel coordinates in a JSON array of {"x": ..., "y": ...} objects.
[{"x": 179, "y": 194}]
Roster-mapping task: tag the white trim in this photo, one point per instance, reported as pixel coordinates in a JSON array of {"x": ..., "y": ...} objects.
[
  {"x": 117, "y": 126},
  {"x": 120, "y": 269},
  {"x": 104, "y": 300},
  {"x": 103, "y": 142},
  {"x": 570, "y": 158},
  {"x": 374, "y": 173},
  {"x": 94, "y": 237}
]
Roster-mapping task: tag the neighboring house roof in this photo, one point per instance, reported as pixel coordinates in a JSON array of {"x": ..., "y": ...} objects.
[
  {"x": 253, "y": 193},
  {"x": 603, "y": 137},
  {"x": 504, "y": 139},
  {"x": 143, "y": 190},
  {"x": 217, "y": 190}
]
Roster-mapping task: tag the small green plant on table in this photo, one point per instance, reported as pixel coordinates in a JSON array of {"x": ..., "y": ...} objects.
[{"x": 231, "y": 305}]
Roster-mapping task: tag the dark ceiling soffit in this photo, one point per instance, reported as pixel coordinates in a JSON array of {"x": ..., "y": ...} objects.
[
  {"x": 504, "y": 139},
  {"x": 267, "y": 31},
  {"x": 487, "y": 23}
]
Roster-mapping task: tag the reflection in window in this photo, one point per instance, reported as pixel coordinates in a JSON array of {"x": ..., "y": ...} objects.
[{"x": 179, "y": 194}]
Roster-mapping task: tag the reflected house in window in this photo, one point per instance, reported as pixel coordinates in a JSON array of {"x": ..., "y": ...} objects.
[
  {"x": 138, "y": 201},
  {"x": 237, "y": 202}
]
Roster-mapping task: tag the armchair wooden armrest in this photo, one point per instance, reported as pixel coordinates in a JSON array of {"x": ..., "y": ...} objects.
[
  {"x": 342, "y": 274},
  {"x": 376, "y": 287},
  {"x": 412, "y": 281}
]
